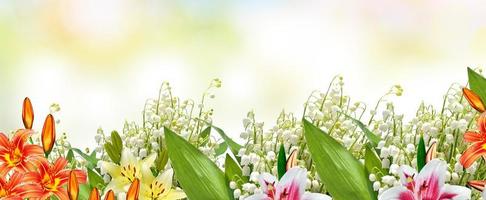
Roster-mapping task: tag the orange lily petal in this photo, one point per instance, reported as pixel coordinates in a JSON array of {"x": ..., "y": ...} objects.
[
  {"x": 431, "y": 152},
  {"x": 473, "y": 99},
  {"x": 94, "y": 195},
  {"x": 27, "y": 113},
  {"x": 481, "y": 122},
  {"x": 472, "y": 153},
  {"x": 473, "y": 136},
  {"x": 48, "y": 134},
  {"x": 477, "y": 184},
  {"x": 73, "y": 186},
  {"x": 292, "y": 160},
  {"x": 110, "y": 195},
  {"x": 134, "y": 189}
]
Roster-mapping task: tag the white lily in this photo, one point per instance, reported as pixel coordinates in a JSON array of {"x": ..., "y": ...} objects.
[
  {"x": 291, "y": 186},
  {"x": 129, "y": 169},
  {"x": 429, "y": 184}
]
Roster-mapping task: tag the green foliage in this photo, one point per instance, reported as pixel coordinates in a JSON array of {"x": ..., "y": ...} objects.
[
  {"x": 232, "y": 170},
  {"x": 421, "y": 153},
  {"x": 477, "y": 83},
  {"x": 281, "y": 162},
  {"x": 199, "y": 177},
  {"x": 114, "y": 148},
  {"x": 373, "y": 139},
  {"x": 344, "y": 176},
  {"x": 373, "y": 162}
]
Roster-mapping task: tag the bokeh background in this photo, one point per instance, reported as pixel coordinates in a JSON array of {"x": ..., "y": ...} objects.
[{"x": 100, "y": 60}]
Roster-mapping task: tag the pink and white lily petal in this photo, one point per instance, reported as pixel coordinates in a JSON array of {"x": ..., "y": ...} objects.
[
  {"x": 315, "y": 196},
  {"x": 429, "y": 184},
  {"x": 258, "y": 197}
]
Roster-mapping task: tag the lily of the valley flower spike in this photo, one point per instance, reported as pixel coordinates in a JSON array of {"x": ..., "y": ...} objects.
[
  {"x": 53, "y": 178},
  {"x": 27, "y": 113},
  {"x": 429, "y": 184},
  {"x": 48, "y": 134},
  {"x": 73, "y": 186},
  {"x": 160, "y": 188},
  {"x": 134, "y": 190},
  {"x": 16, "y": 189},
  {"x": 16, "y": 154},
  {"x": 290, "y": 187},
  {"x": 130, "y": 168}
]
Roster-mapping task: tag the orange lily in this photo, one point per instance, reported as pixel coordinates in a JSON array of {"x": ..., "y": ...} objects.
[
  {"x": 16, "y": 189},
  {"x": 94, "y": 195},
  {"x": 474, "y": 100},
  {"x": 52, "y": 178},
  {"x": 73, "y": 186},
  {"x": 16, "y": 154},
  {"x": 27, "y": 113},
  {"x": 110, "y": 195},
  {"x": 134, "y": 189},
  {"x": 48, "y": 134},
  {"x": 477, "y": 184}
]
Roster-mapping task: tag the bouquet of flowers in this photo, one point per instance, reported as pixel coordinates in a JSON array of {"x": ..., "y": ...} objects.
[{"x": 337, "y": 149}]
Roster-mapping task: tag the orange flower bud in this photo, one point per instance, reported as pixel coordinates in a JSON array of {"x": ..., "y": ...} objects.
[
  {"x": 94, "y": 195},
  {"x": 432, "y": 152},
  {"x": 292, "y": 160},
  {"x": 73, "y": 187},
  {"x": 27, "y": 113},
  {"x": 48, "y": 134},
  {"x": 134, "y": 189},
  {"x": 110, "y": 195},
  {"x": 473, "y": 99}
]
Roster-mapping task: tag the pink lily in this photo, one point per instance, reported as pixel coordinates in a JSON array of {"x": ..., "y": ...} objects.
[
  {"x": 290, "y": 187},
  {"x": 429, "y": 184}
]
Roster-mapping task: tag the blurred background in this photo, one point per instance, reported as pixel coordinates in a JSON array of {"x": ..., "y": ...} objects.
[{"x": 100, "y": 60}]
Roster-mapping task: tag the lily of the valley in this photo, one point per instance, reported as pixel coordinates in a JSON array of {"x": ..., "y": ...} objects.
[
  {"x": 429, "y": 184},
  {"x": 129, "y": 169},
  {"x": 290, "y": 187}
]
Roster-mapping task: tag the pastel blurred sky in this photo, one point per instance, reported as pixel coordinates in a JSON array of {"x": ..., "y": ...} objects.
[{"x": 100, "y": 60}]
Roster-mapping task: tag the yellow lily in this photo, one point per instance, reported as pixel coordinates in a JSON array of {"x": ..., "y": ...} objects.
[
  {"x": 160, "y": 188},
  {"x": 130, "y": 169}
]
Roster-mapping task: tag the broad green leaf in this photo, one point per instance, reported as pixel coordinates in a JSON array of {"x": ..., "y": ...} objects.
[
  {"x": 232, "y": 170},
  {"x": 199, "y": 177},
  {"x": 116, "y": 141},
  {"x": 374, "y": 139},
  {"x": 477, "y": 83},
  {"x": 421, "y": 153},
  {"x": 95, "y": 180},
  {"x": 344, "y": 176},
  {"x": 373, "y": 162},
  {"x": 281, "y": 162},
  {"x": 204, "y": 136}
]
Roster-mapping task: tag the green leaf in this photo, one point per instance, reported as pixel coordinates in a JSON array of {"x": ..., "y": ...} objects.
[
  {"x": 116, "y": 141},
  {"x": 162, "y": 159},
  {"x": 95, "y": 180},
  {"x": 84, "y": 191},
  {"x": 70, "y": 156},
  {"x": 234, "y": 147},
  {"x": 477, "y": 83},
  {"x": 204, "y": 136},
  {"x": 344, "y": 176},
  {"x": 92, "y": 161},
  {"x": 199, "y": 177},
  {"x": 374, "y": 139},
  {"x": 421, "y": 153},
  {"x": 222, "y": 147},
  {"x": 232, "y": 170},
  {"x": 281, "y": 162},
  {"x": 373, "y": 162},
  {"x": 112, "y": 153}
]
